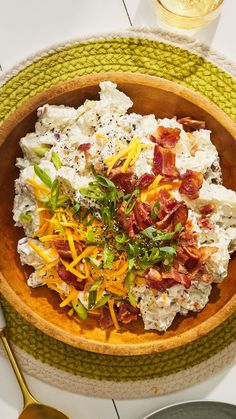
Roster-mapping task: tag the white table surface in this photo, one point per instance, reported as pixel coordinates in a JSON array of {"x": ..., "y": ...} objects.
[{"x": 25, "y": 27}]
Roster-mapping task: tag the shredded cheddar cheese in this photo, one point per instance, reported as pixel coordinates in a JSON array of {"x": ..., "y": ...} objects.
[
  {"x": 130, "y": 154},
  {"x": 113, "y": 314},
  {"x": 40, "y": 252}
]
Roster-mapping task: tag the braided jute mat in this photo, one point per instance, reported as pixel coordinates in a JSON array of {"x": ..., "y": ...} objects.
[{"x": 146, "y": 51}]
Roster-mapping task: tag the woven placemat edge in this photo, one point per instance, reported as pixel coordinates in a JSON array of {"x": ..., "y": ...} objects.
[
  {"x": 184, "y": 42},
  {"x": 130, "y": 389}
]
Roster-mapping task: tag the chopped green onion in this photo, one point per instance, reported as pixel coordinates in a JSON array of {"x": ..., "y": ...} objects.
[
  {"x": 154, "y": 213},
  {"x": 107, "y": 183},
  {"x": 168, "y": 250},
  {"x": 25, "y": 217},
  {"x": 80, "y": 310},
  {"x": 121, "y": 238},
  {"x": 108, "y": 257},
  {"x": 41, "y": 150},
  {"x": 56, "y": 160},
  {"x": 106, "y": 215},
  {"x": 178, "y": 227},
  {"x": 157, "y": 235},
  {"x": 92, "y": 261},
  {"x": 42, "y": 175},
  {"x": 93, "y": 293},
  {"x": 131, "y": 201},
  {"x": 90, "y": 236},
  {"x": 95, "y": 285},
  {"x": 129, "y": 280},
  {"x": 92, "y": 298},
  {"x": 102, "y": 301},
  {"x": 132, "y": 299},
  {"x": 76, "y": 208},
  {"x": 62, "y": 201},
  {"x": 131, "y": 263}
]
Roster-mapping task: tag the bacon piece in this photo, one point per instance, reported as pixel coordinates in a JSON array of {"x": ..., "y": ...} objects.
[
  {"x": 190, "y": 124},
  {"x": 105, "y": 321},
  {"x": 179, "y": 214},
  {"x": 164, "y": 162},
  {"x": 171, "y": 210},
  {"x": 193, "y": 255},
  {"x": 163, "y": 196},
  {"x": 181, "y": 278},
  {"x": 153, "y": 274},
  {"x": 69, "y": 278},
  {"x": 194, "y": 149},
  {"x": 192, "y": 252},
  {"x": 166, "y": 137},
  {"x": 63, "y": 248},
  {"x": 122, "y": 180},
  {"x": 127, "y": 222},
  {"x": 127, "y": 313},
  {"x": 206, "y": 252},
  {"x": 144, "y": 181},
  {"x": 155, "y": 281},
  {"x": 84, "y": 147},
  {"x": 206, "y": 209},
  {"x": 181, "y": 257},
  {"x": 188, "y": 238},
  {"x": 191, "y": 183},
  {"x": 206, "y": 223},
  {"x": 142, "y": 213}
]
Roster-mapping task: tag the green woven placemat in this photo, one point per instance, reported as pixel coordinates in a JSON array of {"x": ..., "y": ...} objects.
[{"x": 127, "y": 53}]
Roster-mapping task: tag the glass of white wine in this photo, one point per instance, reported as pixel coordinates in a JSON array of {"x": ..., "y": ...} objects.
[{"x": 188, "y": 14}]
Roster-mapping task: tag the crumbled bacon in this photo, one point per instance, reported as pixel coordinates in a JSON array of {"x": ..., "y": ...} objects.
[
  {"x": 193, "y": 255},
  {"x": 179, "y": 277},
  {"x": 84, "y": 147},
  {"x": 122, "y": 180},
  {"x": 153, "y": 275},
  {"x": 191, "y": 183},
  {"x": 166, "y": 137},
  {"x": 178, "y": 214},
  {"x": 206, "y": 223},
  {"x": 127, "y": 222},
  {"x": 144, "y": 181},
  {"x": 63, "y": 248},
  {"x": 190, "y": 124},
  {"x": 194, "y": 149},
  {"x": 155, "y": 281},
  {"x": 180, "y": 259},
  {"x": 188, "y": 238},
  {"x": 192, "y": 252},
  {"x": 69, "y": 278},
  {"x": 105, "y": 321},
  {"x": 127, "y": 313},
  {"x": 207, "y": 209},
  {"x": 142, "y": 213},
  {"x": 164, "y": 162},
  {"x": 206, "y": 252}
]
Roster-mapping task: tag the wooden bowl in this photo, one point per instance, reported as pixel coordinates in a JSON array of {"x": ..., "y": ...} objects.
[{"x": 41, "y": 306}]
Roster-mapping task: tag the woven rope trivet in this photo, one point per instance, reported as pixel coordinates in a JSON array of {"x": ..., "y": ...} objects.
[
  {"x": 140, "y": 51},
  {"x": 129, "y": 389}
]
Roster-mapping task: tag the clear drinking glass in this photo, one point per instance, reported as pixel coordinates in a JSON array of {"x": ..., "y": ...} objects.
[{"x": 188, "y": 14}]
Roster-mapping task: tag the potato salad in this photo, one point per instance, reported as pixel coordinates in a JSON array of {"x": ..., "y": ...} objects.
[{"x": 124, "y": 215}]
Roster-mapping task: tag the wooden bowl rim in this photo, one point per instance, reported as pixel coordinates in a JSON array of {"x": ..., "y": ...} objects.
[{"x": 56, "y": 332}]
